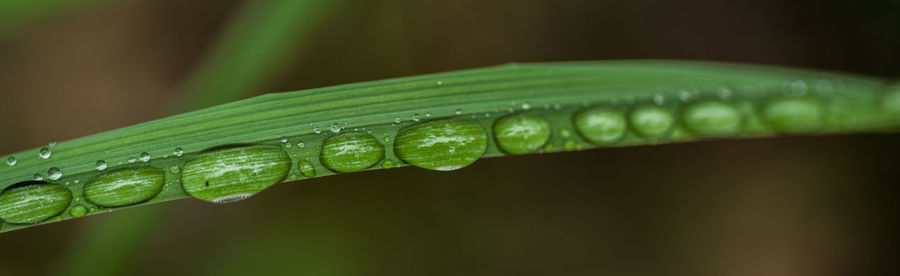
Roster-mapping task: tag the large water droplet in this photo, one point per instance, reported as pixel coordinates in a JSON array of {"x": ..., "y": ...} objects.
[
  {"x": 442, "y": 145},
  {"x": 101, "y": 165},
  {"x": 45, "y": 153},
  {"x": 233, "y": 174},
  {"x": 350, "y": 152},
  {"x": 54, "y": 173},
  {"x": 794, "y": 115},
  {"x": 601, "y": 125},
  {"x": 521, "y": 133},
  {"x": 712, "y": 119},
  {"x": 33, "y": 202},
  {"x": 124, "y": 187},
  {"x": 12, "y": 161},
  {"x": 307, "y": 168},
  {"x": 651, "y": 121}
]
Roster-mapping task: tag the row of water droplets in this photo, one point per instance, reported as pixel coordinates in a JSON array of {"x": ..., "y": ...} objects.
[{"x": 231, "y": 174}]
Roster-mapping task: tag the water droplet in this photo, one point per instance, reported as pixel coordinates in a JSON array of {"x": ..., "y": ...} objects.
[
  {"x": 565, "y": 133},
  {"x": 387, "y": 164},
  {"x": 335, "y": 128},
  {"x": 798, "y": 87},
  {"x": 12, "y": 161},
  {"x": 712, "y": 119},
  {"x": 557, "y": 106},
  {"x": 77, "y": 181},
  {"x": 301, "y": 145},
  {"x": 145, "y": 157},
  {"x": 440, "y": 83},
  {"x": 521, "y": 133},
  {"x": 570, "y": 144},
  {"x": 794, "y": 115},
  {"x": 54, "y": 173},
  {"x": 317, "y": 130},
  {"x": 284, "y": 139},
  {"x": 78, "y": 211},
  {"x": 427, "y": 115},
  {"x": 307, "y": 168},
  {"x": 132, "y": 160},
  {"x": 659, "y": 100},
  {"x": 178, "y": 152},
  {"x": 52, "y": 143},
  {"x": 33, "y": 202},
  {"x": 651, "y": 121},
  {"x": 526, "y": 106},
  {"x": 37, "y": 177},
  {"x": 232, "y": 174},
  {"x": 387, "y": 138},
  {"x": 175, "y": 169},
  {"x": 442, "y": 145},
  {"x": 397, "y": 120},
  {"x": 45, "y": 153},
  {"x": 101, "y": 165},
  {"x": 415, "y": 117},
  {"x": 458, "y": 112},
  {"x": 124, "y": 187},
  {"x": 350, "y": 152},
  {"x": 601, "y": 125}
]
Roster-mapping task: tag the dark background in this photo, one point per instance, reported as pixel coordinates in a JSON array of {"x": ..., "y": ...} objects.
[{"x": 783, "y": 206}]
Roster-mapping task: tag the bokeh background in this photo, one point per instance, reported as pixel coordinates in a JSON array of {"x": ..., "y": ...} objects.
[{"x": 783, "y": 206}]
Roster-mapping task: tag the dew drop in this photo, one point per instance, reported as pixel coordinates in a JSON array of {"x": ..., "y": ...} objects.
[
  {"x": 794, "y": 115},
  {"x": 521, "y": 133},
  {"x": 526, "y": 106},
  {"x": 659, "y": 100},
  {"x": 307, "y": 168},
  {"x": 45, "y": 153},
  {"x": 651, "y": 121},
  {"x": 565, "y": 133},
  {"x": 78, "y": 211},
  {"x": 301, "y": 145},
  {"x": 77, "y": 181},
  {"x": 124, "y": 187},
  {"x": 54, "y": 173},
  {"x": 387, "y": 138},
  {"x": 387, "y": 164},
  {"x": 145, "y": 157},
  {"x": 570, "y": 144},
  {"x": 232, "y": 174},
  {"x": 601, "y": 125},
  {"x": 37, "y": 177},
  {"x": 317, "y": 130},
  {"x": 415, "y": 117},
  {"x": 33, "y": 202},
  {"x": 427, "y": 115},
  {"x": 458, "y": 112},
  {"x": 175, "y": 169},
  {"x": 442, "y": 145},
  {"x": 101, "y": 165},
  {"x": 397, "y": 120},
  {"x": 335, "y": 128},
  {"x": 178, "y": 152},
  {"x": 52, "y": 143},
  {"x": 350, "y": 152},
  {"x": 284, "y": 139},
  {"x": 712, "y": 119},
  {"x": 12, "y": 161}
]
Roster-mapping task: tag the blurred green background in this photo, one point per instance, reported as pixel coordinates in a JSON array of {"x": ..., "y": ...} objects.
[{"x": 784, "y": 206}]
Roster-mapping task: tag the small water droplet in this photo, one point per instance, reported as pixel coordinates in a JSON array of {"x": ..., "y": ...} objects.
[
  {"x": 145, "y": 157},
  {"x": 335, "y": 128},
  {"x": 317, "y": 130},
  {"x": 570, "y": 144},
  {"x": 397, "y": 120},
  {"x": 798, "y": 87},
  {"x": 440, "y": 83},
  {"x": 557, "y": 106},
  {"x": 684, "y": 96},
  {"x": 101, "y": 165},
  {"x": 37, "y": 177},
  {"x": 387, "y": 138},
  {"x": 301, "y": 145},
  {"x": 387, "y": 164},
  {"x": 659, "y": 100},
  {"x": 54, "y": 173},
  {"x": 415, "y": 117},
  {"x": 77, "y": 181},
  {"x": 45, "y": 153},
  {"x": 12, "y": 161},
  {"x": 458, "y": 112},
  {"x": 175, "y": 169},
  {"x": 307, "y": 168},
  {"x": 526, "y": 106},
  {"x": 178, "y": 152},
  {"x": 427, "y": 115},
  {"x": 132, "y": 160},
  {"x": 78, "y": 211},
  {"x": 52, "y": 143},
  {"x": 565, "y": 133},
  {"x": 284, "y": 139}
]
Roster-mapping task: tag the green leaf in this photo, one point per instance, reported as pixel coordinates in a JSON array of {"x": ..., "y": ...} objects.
[{"x": 652, "y": 95}]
